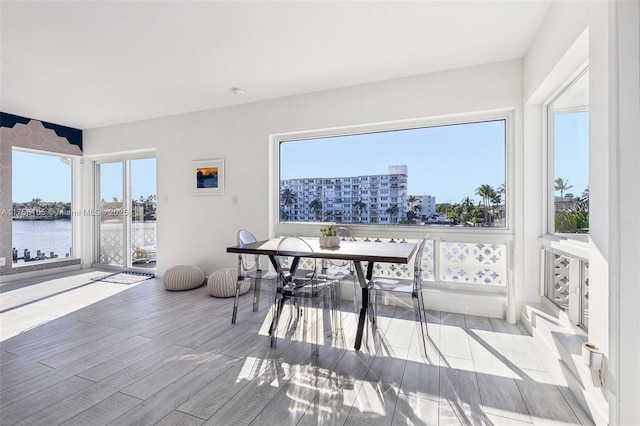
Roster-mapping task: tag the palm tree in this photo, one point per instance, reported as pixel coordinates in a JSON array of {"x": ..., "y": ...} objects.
[
  {"x": 416, "y": 210},
  {"x": 584, "y": 197},
  {"x": 496, "y": 200},
  {"x": 462, "y": 211},
  {"x": 392, "y": 211},
  {"x": 487, "y": 193},
  {"x": 412, "y": 200},
  {"x": 413, "y": 208},
  {"x": 287, "y": 198},
  {"x": 562, "y": 185},
  {"x": 316, "y": 206},
  {"x": 359, "y": 207}
]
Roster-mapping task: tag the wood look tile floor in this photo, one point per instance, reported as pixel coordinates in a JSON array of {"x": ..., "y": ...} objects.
[{"x": 79, "y": 352}]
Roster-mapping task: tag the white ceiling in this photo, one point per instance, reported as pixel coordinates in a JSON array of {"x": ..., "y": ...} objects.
[{"x": 88, "y": 64}]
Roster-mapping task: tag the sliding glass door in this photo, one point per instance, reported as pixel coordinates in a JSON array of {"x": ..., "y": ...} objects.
[{"x": 126, "y": 211}]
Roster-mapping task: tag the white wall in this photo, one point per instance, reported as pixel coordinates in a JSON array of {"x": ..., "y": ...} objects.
[
  {"x": 570, "y": 31},
  {"x": 625, "y": 276},
  {"x": 196, "y": 229}
]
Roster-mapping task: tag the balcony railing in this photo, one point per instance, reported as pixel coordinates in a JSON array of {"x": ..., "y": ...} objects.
[
  {"x": 143, "y": 240},
  {"x": 475, "y": 264},
  {"x": 567, "y": 284}
]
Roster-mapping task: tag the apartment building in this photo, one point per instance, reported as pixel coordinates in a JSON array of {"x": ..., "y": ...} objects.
[{"x": 373, "y": 199}]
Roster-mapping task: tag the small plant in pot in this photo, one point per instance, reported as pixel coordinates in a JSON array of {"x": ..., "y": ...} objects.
[{"x": 329, "y": 237}]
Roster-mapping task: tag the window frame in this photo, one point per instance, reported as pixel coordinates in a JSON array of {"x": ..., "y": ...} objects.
[
  {"x": 311, "y": 228},
  {"x": 125, "y": 158},
  {"x": 549, "y": 144},
  {"x": 575, "y": 247},
  {"x": 75, "y": 191}
]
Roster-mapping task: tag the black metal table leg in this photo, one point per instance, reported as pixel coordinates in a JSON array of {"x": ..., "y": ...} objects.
[
  {"x": 364, "y": 284},
  {"x": 362, "y": 318}
]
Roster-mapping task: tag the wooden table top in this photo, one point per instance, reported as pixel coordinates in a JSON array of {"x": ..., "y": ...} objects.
[{"x": 348, "y": 250}]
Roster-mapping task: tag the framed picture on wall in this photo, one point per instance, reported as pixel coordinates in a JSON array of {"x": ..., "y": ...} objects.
[{"x": 207, "y": 177}]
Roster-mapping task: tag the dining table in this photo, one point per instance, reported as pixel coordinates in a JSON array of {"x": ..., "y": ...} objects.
[{"x": 358, "y": 252}]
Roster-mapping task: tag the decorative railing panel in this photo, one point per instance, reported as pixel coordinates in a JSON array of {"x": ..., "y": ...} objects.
[
  {"x": 567, "y": 284},
  {"x": 470, "y": 263},
  {"x": 143, "y": 235},
  {"x": 111, "y": 245},
  {"x": 560, "y": 290},
  {"x": 585, "y": 293},
  {"x": 473, "y": 263}
]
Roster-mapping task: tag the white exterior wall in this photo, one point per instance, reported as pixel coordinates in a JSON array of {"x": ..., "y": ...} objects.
[{"x": 427, "y": 205}]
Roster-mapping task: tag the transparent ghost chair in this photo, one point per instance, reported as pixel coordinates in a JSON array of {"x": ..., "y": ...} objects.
[
  {"x": 342, "y": 270},
  {"x": 412, "y": 287},
  {"x": 250, "y": 268},
  {"x": 300, "y": 282}
]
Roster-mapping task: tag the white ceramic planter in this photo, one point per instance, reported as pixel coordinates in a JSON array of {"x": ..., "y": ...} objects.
[
  {"x": 329, "y": 241},
  {"x": 591, "y": 356}
]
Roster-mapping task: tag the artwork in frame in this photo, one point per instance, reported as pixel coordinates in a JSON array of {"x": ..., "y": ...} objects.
[{"x": 207, "y": 177}]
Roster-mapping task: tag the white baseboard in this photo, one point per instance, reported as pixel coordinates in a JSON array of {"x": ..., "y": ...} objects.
[{"x": 454, "y": 301}]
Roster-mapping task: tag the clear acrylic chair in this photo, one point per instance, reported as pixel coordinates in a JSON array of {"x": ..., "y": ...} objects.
[
  {"x": 300, "y": 282},
  {"x": 343, "y": 270},
  {"x": 412, "y": 286},
  {"x": 249, "y": 267}
]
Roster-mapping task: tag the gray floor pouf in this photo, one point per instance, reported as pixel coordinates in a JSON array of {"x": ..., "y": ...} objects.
[
  {"x": 222, "y": 283},
  {"x": 183, "y": 277}
]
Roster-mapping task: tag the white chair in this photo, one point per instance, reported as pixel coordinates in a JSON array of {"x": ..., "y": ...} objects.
[
  {"x": 249, "y": 267},
  {"x": 406, "y": 286},
  {"x": 296, "y": 284}
]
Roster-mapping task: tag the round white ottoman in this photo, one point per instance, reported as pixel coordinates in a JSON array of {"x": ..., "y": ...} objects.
[
  {"x": 183, "y": 277},
  {"x": 222, "y": 283}
]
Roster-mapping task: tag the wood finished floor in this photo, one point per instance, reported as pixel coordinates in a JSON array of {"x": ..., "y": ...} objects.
[{"x": 78, "y": 352}]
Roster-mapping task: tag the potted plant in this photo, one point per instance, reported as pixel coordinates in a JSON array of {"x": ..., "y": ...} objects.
[{"x": 329, "y": 237}]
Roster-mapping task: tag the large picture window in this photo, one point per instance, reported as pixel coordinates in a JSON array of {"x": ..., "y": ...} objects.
[
  {"x": 567, "y": 270},
  {"x": 568, "y": 118},
  {"x": 41, "y": 211},
  {"x": 451, "y": 175}
]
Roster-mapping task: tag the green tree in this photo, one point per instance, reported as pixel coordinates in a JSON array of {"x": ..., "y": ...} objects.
[
  {"x": 392, "y": 211},
  {"x": 316, "y": 206},
  {"x": 360, "y": 206},
  {"x": 572, "y": 221},
  {"x": 487, "y": 193},
  {"x": 496, "y": 202},
  {"x": 562, "y": 185},
  {"x": 413, "y": 211},
  {"x": 444, "y": 208},
  {"x": 412, "y": 217},
  {"x": 287, "y": 199},
  {"x": 583, "y": 200}
]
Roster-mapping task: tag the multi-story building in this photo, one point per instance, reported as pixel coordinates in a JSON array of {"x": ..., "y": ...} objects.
[
  {"x": 357, "y": 199},
  {"x": 567, "y": 202},
  {"x": 427, "y": 205}
]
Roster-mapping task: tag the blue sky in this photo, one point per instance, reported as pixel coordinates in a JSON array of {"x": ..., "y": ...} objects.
[
  {"x": 40, "y": 176},
  {"x": 48, "y": 177},
  {"x": 571, "y": 150},
  {"x": 143, "y": 179},
  {"x": 449, "y": 162}
]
